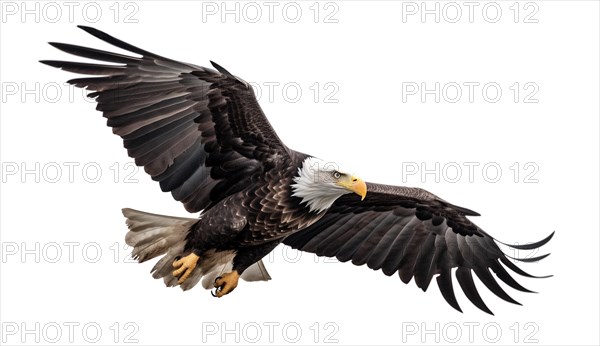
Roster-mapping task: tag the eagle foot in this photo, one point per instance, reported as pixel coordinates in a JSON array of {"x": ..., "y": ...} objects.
[
  {"x": 184, "y": 267},
  {"x": 225, "y": 284}
]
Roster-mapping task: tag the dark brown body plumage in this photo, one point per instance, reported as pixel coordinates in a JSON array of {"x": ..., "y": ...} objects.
[{"x": 256, "y": 219}]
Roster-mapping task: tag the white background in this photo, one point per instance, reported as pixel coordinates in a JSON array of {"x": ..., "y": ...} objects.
[{"x": 369, "y": 53}]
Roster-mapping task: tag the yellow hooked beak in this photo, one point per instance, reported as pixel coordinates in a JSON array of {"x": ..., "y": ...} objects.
[{"x": 354, "y": 184}]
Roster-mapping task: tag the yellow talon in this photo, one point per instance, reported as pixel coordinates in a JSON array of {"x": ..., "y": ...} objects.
[
  {"x": 226, "y": 284},
  {"x": 185, "y": 266}
]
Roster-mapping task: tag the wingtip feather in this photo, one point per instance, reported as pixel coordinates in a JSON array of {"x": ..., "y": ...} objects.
[
  {"x": 534, "y": 245},
  {"x": 87, "y": 28},
  {"x": 529, "y": 260},
  {"x": 53, "y": 63},
  {"x": 465, "y": 280},
  {"x": 220, "y": 68}
]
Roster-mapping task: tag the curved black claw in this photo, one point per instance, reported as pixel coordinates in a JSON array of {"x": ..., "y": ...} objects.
[{"x": 217, "y": 289}]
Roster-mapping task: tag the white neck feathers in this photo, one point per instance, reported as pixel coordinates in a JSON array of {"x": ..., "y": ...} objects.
[{"x": 318, "y": 193}]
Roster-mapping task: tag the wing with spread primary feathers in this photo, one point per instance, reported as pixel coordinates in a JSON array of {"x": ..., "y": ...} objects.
[
  {"x": 414, "y": 233},
  {"x": 197, "y": 131}
]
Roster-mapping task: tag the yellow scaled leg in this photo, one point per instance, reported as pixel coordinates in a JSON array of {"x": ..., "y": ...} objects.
[
  {"x": 226, "y": 284},
  {"x": 184, "y": 267}
]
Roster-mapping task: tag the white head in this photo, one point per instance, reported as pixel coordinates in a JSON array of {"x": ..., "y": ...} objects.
[{"x": 320, "y": 183}]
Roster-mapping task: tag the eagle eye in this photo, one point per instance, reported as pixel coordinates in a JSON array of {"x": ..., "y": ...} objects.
[{"x": 337, "y": 175}]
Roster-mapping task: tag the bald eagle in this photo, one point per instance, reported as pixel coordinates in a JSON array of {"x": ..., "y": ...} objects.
[{"x": 202, "y": 135}]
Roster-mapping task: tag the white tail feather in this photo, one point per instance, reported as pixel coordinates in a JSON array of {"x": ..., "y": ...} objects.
[
  {"x": 152, "y": 235},
  {"x": 256, "y": 272}
]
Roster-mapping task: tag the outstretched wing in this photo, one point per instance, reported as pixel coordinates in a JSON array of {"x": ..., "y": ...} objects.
[
  {"x": 199, "y": 132},
  {"x": 414, "y": 233}
]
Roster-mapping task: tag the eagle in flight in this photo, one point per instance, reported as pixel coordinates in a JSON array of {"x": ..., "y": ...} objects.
[{"x": 202, "y": 135}]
